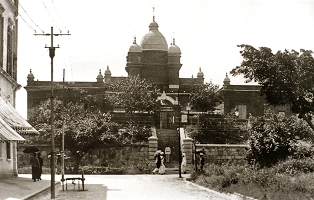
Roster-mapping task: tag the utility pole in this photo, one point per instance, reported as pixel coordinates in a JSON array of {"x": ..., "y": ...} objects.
[{"x": 51, "y": 55}]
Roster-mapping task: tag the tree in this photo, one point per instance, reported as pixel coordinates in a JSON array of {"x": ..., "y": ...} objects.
[
  {"x": 286, "y": 77},
  {"x": 134, "y": 94},
  {"x": 84, "y": 129},
  {"x": 204, "y": 97},
  {"x": 275, "y": 140}
]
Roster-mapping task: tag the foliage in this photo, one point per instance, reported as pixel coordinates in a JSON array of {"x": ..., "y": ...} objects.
[
  {"x": 218, "y": 129},
  {"x": 274, "y": 140},
  {"x": 295, "y": 166},
  {"x": 84, "y": 129},
  {"x": 286, "y": 77},
  {"x": 266, "y": 183},
  {"x": 134, "y": 133},
  {"x": 204, "y": 97},
  {"x": 134, "y": 94}
]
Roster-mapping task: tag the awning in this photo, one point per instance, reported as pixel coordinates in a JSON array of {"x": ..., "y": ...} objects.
[
  {"x": 8, "y": 134},
  {"x": 15, "y": 120}
]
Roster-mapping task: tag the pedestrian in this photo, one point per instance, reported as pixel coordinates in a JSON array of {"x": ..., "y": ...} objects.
[
  {"x": 157, "y": 161},
  {"x": 58, "y": 163},
  {"x": 35, "y": 167},
  {"x": 202, "y": 161},
  {"x": 162, "y": 168},
  {"x": 183, "y": 164},
  {"x": 167, "y": 152},
  {"x": 41, "y": 163}
]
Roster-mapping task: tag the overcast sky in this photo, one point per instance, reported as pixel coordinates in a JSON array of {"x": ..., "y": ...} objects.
[{"x": 207, "y": 32}]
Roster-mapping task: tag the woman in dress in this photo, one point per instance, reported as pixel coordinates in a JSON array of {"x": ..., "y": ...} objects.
[
  {"x": 162, "y": 168},
  {"x": 35, "y": 167}
]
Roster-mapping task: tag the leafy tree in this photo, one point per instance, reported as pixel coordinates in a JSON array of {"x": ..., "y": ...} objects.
[
  {"x": 286, "y": 77},
  {"x": 84, "y": 129},
  {"x": 204, "y": 97},
  {"x": 274, "y": 140},
  {"x": 135, "y": 94}
]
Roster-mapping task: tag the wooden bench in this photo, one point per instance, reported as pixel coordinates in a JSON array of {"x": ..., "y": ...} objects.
[{"x": 74, "y": 179}]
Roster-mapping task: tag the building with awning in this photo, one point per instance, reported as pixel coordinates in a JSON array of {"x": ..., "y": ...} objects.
[{"x": 11, "y": 117}]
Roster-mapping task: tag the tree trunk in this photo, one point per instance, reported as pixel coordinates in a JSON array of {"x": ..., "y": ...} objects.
[{"x": 308, "y": 120}]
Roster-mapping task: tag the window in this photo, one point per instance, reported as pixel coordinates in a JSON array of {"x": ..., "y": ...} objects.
[
  {"x": 1, "y": 39},
  {"x": 1, "y": 150},
  {"x": 9, "y": 52},
  {"x": 242, "y": 111},
  {"x": 8, "y": 147}
]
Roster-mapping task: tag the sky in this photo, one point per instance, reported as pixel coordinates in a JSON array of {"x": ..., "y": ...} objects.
[{"x": 207, "y": 32}]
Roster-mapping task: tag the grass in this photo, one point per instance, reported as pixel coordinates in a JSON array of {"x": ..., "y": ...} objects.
[{"x": 268, "y": 183}]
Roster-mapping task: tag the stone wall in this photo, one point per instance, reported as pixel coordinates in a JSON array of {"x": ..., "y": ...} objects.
[
  {"x": 223, "y": 153},
  {"x": 113, "y": 156}
]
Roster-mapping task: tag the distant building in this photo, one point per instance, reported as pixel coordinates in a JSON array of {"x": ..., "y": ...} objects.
[
  {"x": 153, "y": 61},
  {"x": 246, "y": 100},
  {"x": 12, "y": 125}
]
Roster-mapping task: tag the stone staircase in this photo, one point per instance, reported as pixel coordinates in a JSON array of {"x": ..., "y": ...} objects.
[{"x": 170, "y": 137}]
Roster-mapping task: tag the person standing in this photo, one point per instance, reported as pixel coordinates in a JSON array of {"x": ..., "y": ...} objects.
[
  {"x": 202, "y": 161},
  {"x": 35, "y": 167},
  {"x": 41, "y": 163},
  {"x": 157, "y": 161},
  {"x": 183, "y": 164},
  {"x": 167, "y": 152},
  {"x": 58, "y": 163}
]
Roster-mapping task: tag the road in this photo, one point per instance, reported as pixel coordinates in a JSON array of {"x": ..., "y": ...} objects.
[{"x": 137, "y": 187}]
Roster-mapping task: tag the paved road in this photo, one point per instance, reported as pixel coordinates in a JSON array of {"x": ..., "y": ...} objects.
[{"x": 137, "y": 187}]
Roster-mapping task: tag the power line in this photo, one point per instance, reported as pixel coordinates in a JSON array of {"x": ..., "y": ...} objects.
[
  {"x": 51, "y": 16},
  {"x": 57, "y": 12},
  {"x": 27, "y": 23},
  {"x": 30, "y": 18}
]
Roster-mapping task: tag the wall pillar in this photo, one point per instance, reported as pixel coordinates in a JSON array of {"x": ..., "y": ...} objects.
[
  {"x": 152, "y": 148},
  {"x": 187, "y": 148}
]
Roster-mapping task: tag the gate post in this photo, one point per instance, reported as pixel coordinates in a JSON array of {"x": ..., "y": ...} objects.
[
  {"x": 152, "y": 148},
  {"x": 187, "y": 149}
]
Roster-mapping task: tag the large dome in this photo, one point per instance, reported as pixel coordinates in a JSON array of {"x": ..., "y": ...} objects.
[{"x": 154, "y": 40}]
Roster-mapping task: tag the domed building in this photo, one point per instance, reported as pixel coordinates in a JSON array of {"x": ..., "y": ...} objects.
[
  {"x": 153, "y": 57},
  {"x": 153, "y": 60}
]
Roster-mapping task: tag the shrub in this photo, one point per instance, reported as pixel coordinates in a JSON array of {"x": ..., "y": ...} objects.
[{"x": 274, "y": 140}]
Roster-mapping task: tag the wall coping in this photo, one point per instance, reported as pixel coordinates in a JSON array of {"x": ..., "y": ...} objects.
[{"x": 221, "y": 145}]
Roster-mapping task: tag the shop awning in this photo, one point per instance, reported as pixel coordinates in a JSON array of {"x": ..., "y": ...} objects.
[
  {"x": 11, "y": 117},
  {"x": 8, "y": 134}
]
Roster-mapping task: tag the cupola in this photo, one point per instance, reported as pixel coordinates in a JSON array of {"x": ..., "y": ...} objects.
[{"x": 100, "y": 78}]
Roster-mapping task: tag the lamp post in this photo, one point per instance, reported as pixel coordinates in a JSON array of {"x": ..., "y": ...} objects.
[{"x": 188, "y": 108}]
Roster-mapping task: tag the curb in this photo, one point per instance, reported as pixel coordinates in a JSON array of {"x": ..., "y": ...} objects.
[{"x": 40, "y": 191}]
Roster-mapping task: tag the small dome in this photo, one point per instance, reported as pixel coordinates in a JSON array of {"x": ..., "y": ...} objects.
[
  {"x": 200, "y": 74},
  {"x": 174, "y": 48},
  {"x": 135, "y": 47},
  {"x": 154, "y": 40},
  {"x": 107, "y": 72},
  {"x": 100, "y": 75},
  {"x": 227, "y": 79},
  {"x": 30, "y": 75}
]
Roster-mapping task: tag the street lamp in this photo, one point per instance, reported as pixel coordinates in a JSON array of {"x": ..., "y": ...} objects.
[{"x": 188, "y": 108}]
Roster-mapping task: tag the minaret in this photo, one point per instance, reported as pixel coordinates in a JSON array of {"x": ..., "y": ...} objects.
[
  {"x": 174, "y": 65},
  {"x": 100, "y": 78},
  {"x": 134, "y": 59}
]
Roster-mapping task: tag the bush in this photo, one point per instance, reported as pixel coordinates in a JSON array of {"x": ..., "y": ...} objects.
[
  {"x": 275, "y": 140},
  {"x": 265, "y": 183}
]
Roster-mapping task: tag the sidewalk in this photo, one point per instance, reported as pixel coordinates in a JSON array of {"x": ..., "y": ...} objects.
[{"x": 23, "y": 187}]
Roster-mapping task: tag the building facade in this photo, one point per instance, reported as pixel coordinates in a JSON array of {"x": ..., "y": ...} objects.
[
  {"x": 13, "y": 128},
  {"x": 247, "y": 101}
]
